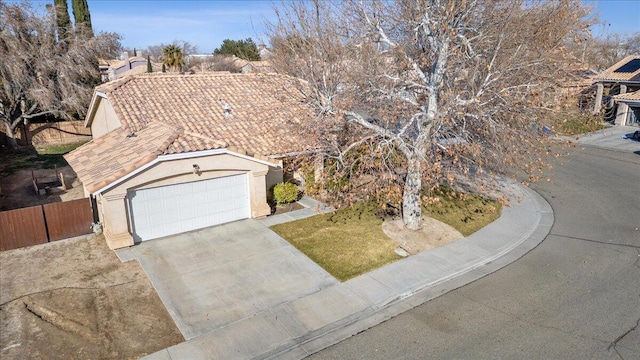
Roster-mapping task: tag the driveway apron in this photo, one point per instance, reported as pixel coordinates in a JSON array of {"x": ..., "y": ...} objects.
[{"x": 213, "y": 277}]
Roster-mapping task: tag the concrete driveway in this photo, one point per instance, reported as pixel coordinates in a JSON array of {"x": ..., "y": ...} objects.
[
  {"x": 216, "y": 276},
  {"x": 615, "y": 138}
]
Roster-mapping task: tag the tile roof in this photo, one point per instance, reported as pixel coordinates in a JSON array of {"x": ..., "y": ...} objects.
[
  {"x": 261, "y": 113},
  {"x": 258, "y": 115},
  {"x": 110, "y": 157},
  {"x": 610, "y": 74},
  {"x": 633, "y": 96},
  {"x": 116, "y": 64},
  {"x": 155, "y": 67},
  {"x": 575, "y": 77}
]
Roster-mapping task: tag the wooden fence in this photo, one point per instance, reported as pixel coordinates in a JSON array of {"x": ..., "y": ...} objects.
[{"x": 44, "y": 223}]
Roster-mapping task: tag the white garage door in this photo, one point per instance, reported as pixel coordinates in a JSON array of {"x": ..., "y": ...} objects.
[{"x": 174, "y": 209}]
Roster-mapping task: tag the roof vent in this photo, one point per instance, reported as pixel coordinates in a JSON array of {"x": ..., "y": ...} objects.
[{"x": 226, "y": 107}]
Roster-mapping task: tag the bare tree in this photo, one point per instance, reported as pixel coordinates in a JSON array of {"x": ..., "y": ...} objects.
[
  {"x": 427, "y": 89},
  {"x": 40, "y": 75},
  {"x": 600, "y": 53}
]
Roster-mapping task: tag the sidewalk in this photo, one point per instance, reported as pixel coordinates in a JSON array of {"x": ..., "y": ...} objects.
[
  {"x": 613, "y": 138},
  {"x": 306, "y": 325}
]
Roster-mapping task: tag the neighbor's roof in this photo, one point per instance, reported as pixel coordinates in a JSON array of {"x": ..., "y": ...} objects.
[
  {"x": 627, "y": 69},
  {"x": 252, "y": 114},
  {"x": 575, "y": 77},
  {"x": 155, "y": 67},
  {"x": 632, "y": 96},
  {"x": 262, "y": 66}
]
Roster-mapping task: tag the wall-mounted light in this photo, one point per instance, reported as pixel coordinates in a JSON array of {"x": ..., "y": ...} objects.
[{"x": 196, "y": 169}]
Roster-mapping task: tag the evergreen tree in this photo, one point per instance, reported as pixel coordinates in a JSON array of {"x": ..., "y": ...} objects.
[
  {"x": 82, "y": 17},
  {"x": 63, "y": 21},
  {"x": 149, "y": 68},
  {"x": 244, "y": 49}
]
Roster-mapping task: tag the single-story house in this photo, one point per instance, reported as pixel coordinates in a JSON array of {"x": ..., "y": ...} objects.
[
  {"x": 628, "y": 108},
  {"x": 116, "y": 68},
  {"x": 621, "y": 78},
  {"x": 177, "y": 152}
]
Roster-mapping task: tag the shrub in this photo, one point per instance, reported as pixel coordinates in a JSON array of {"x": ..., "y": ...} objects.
[{"x": 285, "y": 193}]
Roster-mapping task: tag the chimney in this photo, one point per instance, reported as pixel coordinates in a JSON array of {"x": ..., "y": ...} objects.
[{"x": 127, "y": 63}]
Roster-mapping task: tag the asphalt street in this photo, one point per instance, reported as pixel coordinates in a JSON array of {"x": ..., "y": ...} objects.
[{"x": 575, "y": 296}]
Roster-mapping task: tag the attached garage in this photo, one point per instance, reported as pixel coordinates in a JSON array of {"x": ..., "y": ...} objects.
[
  {"x": 173, "y": 209},
  {"x": 203, "y": 154}
]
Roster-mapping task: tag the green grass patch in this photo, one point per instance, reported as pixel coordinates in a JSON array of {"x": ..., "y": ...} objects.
[
  {"x": 41, "y": 157},
  {"x": 350, "y": 242},
  {"x": 465, "y": 212},
  {"x": 58, "y": 149},
  {"x": 346, "y": 243},
  {"x": 576, "y": 125}
]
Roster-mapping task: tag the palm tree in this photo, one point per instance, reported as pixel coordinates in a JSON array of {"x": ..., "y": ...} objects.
[{"x": 172, "y": 57}]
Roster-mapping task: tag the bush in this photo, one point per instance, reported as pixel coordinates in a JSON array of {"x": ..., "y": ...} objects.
[{"x": 285, "y": 193}]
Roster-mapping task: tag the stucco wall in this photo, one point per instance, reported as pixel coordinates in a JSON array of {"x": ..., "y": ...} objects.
[
  {"x": 113, "y": 204},
  {"x": 105, "y": 119},
  {"x": 274, "y": 176}
]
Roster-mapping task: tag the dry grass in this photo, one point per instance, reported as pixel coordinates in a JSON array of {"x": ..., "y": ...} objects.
[
  {"x": 40, "y": 157},
  {"x": 466, "y": 213},
  {"x": 350, "y": 241},
  {"x": 576, "y": 124},
  {"x": 346, "y": 243}
]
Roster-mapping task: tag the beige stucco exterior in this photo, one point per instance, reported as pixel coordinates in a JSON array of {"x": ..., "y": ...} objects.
[
  {"x": 112, "y": 203},
  {"x": 104, "y": 120}
]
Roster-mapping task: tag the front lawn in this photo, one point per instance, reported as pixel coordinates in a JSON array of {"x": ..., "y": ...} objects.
[
  {"x": 350, "y": 241},
  {"x": 346, "y": 243}
]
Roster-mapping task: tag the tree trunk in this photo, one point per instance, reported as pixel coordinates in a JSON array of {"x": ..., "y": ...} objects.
[
  {"x": 411, "y": 204},
  {"x": 11, "y": 136}
]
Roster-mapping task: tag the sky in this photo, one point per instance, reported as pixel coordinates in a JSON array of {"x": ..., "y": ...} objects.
[{"x": 206, "y": 23}]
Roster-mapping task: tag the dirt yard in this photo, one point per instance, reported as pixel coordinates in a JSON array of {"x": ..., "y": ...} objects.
[
  {"x": 434, "y": 233},
  {"x": 73, "y": 299},
  {"x": 18, "y": 192}
]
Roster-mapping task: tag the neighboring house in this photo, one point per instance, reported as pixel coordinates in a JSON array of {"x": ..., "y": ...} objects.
[
  {"x": 173, "y": 153},
  {"x": 262, "y": 66},
  {"x": 628, "y": 108},
  {"x": 229, "y": 63},
  {"x": 570, "y": 88},
  {"x": 115, "y": 69},
  {"x": 621, "y": 78},
  {"x": 265, "y": 52}
]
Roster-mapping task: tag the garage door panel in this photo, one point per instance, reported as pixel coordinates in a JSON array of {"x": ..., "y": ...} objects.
[{"x": 172, "y": 209}]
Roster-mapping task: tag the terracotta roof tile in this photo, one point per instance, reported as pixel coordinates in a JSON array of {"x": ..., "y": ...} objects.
[
  {"x": 116, "y": 154},
  {"x": 258, "y": 115},
  {"x": 261, "y": 113},
  {"x": 633, "y": 96},
  {"x": 611, "y": 74}
]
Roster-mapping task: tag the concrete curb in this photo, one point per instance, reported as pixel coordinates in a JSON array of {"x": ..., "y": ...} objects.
[
  {"x": 376, "y": 314},
  {"x": 301, "y": 327}
]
